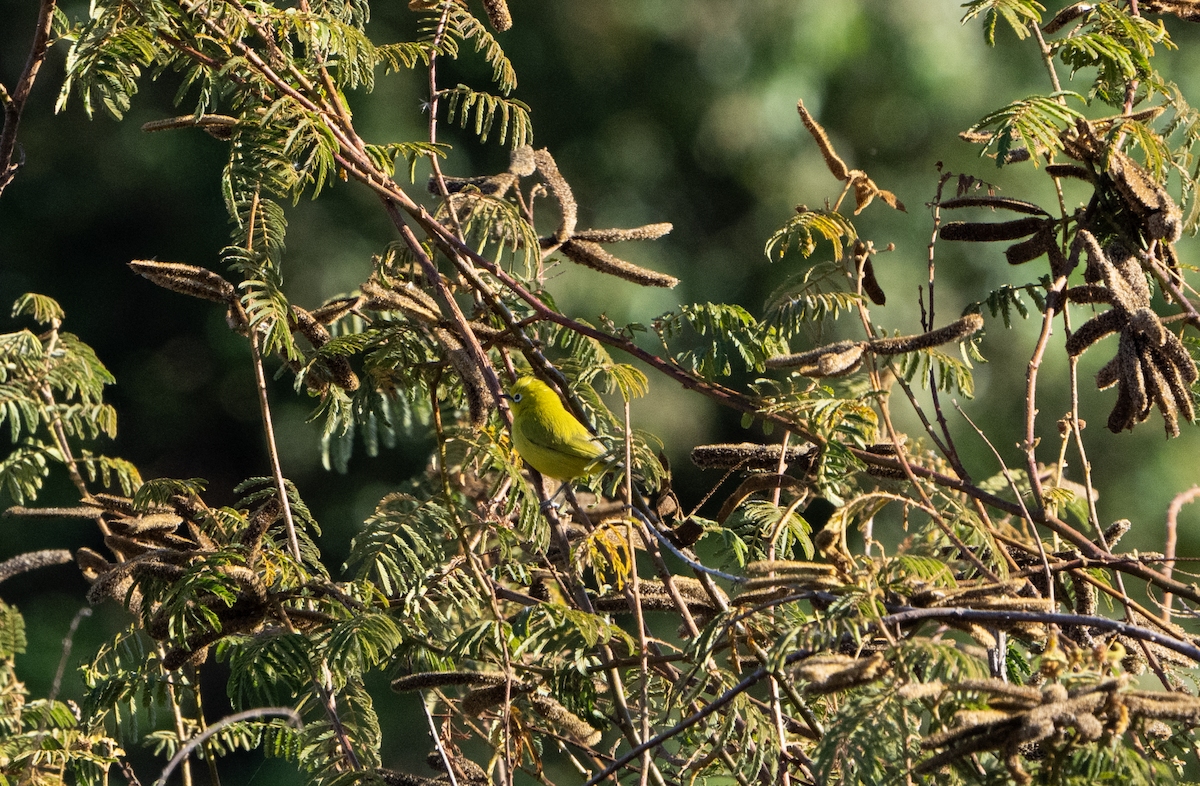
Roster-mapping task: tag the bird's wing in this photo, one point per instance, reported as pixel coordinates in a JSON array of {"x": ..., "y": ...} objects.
[{"x": 575, "y": 442}]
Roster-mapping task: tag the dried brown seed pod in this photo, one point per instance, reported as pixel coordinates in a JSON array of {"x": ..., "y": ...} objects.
[
  {"x": 1092, "y": 331},
  {"x": 1186, "y": 10},
  {"x": 837, "y": 364},
  {"x": 988, "y": 200},
  {"x": 521, "y": 161},
  {"x": 562, "y": 193},
  {"x": 765, "y": 567},
  {"x": 749, "y": 455},
  {"x": 32, "y": 560},
  {"x": 218, "y": 126},
  {"x": 1088, "y": 293},
  {"x": 888, "y": 473},
  {"x": 862, "y": 254},
  {"x": 837, "y": 166},
  {"x": 334, "y": 310},
  {"x": 569, "y": 723},
  {"x": 442, "y": 679},
  {"x": 591, "y": 255},
  {"x": 1040, "y": 243},
  {"x": 1163, "y": 219},
  {"x": 812, "y": 356},
  {"x": 187, "y": 279},
  {"x": 1066, "y": 16},
  {"x": 486, "y": 185},
  {"x": 647, "y": 232},
  {"x": 480, "y": 701},
  {"x": 497, "y": 14},
  {"x": 984, "y": 232},
  {"x": 956, "y": 331},
  {"x": 1073, "y": 171},
  {"x": 831, "y": 672},
  {"x": 409, "y": 300}
]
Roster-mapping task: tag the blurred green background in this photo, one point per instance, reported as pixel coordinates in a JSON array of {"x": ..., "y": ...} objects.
[{"x": 656, "y": 110}]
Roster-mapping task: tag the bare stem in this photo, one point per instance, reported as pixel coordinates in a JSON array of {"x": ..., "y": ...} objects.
[{"x": 14, "y": 102}]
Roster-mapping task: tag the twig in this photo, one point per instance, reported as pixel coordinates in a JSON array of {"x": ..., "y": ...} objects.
[
  {"x": 908, "y": 615},
  {"x": 1177, "y": 504},
  {"x": 14, "y": 102},
  {"x": 292, "y": 716},
  {"x": 437, "y": 743}
]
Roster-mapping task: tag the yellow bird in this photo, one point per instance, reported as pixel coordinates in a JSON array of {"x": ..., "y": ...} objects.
[{"x": 547, "y": 435}]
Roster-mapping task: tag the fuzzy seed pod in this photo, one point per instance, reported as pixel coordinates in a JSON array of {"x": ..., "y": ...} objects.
[
  {"x": 481, "y": 700},
  {"x": 831, "y": 672},
  {"x": 217, "y": 126},
  {"x": 337, "y": 367},
  {"x": 521, "y": 161},
  {"x": 589, "y": 254},
  {"x": 1088, "y": 293},
  {"x": 334, "y": 310},
  {"x": 392, "y": 777},
  {"x": 1028, "y": 250},
  {"x": 91, "y": 564},
  {"x": 563, "y": 719},
  {"x": 485, "y": 185},
  {"x": 441, "y": 679},
  {"x": 647, "y": 232},
  {"x": 837, "y": 364},
  {"x": 498, "y": 15},
  {"x": 32, "y": 560},
  {"x": 1073, "y": 171},
  {"x": 1092, "y": 331},
  {"x": 1184, "y": 9},
  {"x": 187, "y": 279},
  {"x": 862, "y": 261},
  {"x": 475, "y": 389},
  {"x": 747, "y": 455},
  {"x": 149, "y": 523},
  {"x": 986, "y": 232},
  {"x": 886, "y": 473},
  {"x": 414, "y": 303},
  {"x": 837, "y": 166},
  {"x": 466, "y": 771},
  {"x": 1066, "y": 16},
  {"x": 811, "y": 357},
  {"x": 1003, "y": 203},
  {"x": 561, "y": 191},
  {"x": 955, "y": 331},
  {"x": 802, "y": 581},
  {"x": 765, "y": 567}
]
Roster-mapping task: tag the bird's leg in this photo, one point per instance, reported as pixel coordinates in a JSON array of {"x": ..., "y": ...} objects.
[{"x": 549, "y": 502}]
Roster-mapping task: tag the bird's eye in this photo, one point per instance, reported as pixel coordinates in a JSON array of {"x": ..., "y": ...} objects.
[{"x": 516, "y": 397}]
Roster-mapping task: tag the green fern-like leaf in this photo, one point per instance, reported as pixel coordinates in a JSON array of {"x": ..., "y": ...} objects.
[
  {"x": 515, "y": 124},
  {"x": 1034, "y": 121},
  {"x": 1019, "y": 14},
  {"x": 730, "y": 331},
  {"x": 809, "y": 297},
  {"x": 800, "y": 229},
  {"x": 949, "y": 374},
  {"x": 43, "y": 309}
]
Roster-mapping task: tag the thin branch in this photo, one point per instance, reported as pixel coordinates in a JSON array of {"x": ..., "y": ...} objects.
[
  {"x": 14, "y": 102},
  {"x": 293, "y": 719}
]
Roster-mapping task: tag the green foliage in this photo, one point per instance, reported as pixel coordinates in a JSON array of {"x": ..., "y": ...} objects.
[
  {"x": 540, "y": 632},
  {"x": 516, "y": 127},
  {"x": 1019, "y": 14},
  {"x": 799, "y": 231},
  {"x": 1034, "y": 122},
  {"x": 809, "y": 298},
  {"x": 729, "y": 331}
]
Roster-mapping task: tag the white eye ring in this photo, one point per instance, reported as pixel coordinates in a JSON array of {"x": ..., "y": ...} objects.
[{"x": 517, "y": 397}]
